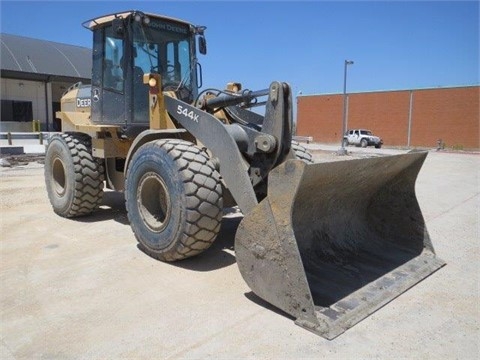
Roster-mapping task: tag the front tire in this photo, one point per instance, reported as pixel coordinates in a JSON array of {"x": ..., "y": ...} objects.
[
  {"x": 73, "y": 177},
  {"x": 174, "y": 199}
]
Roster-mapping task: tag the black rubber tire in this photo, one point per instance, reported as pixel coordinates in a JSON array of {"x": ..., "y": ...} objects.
[
  {"x": 378, "y": 146},
  {"x": 363, "y": 143},
  {"x": 301, "y": 152},
  {"x": 174, "y": 199},
  {"x": 345, "y": 143},
  {"x": 73, "y": 177}
]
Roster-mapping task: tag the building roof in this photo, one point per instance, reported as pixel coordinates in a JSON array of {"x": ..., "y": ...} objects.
[{"x": 34, "y": 59}]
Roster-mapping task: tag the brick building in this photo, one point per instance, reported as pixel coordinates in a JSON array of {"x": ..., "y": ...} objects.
[{"x": 411, "y": 118}]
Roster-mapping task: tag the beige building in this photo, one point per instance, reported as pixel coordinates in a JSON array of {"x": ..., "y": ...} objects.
[{"x": 34, "y": 75}]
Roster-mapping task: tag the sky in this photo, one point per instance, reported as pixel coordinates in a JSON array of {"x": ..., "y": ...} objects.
[{"x": 395, "y": 45}]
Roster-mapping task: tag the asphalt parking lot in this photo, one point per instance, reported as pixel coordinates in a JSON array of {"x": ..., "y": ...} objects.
[{"x": 81, "y": 289}]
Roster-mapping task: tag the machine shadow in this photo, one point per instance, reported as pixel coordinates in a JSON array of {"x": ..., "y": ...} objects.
[
  {"x": 112, "y": 208},
  {"x": 259, "y": 301},
  {"x": 218, "y": 256}
]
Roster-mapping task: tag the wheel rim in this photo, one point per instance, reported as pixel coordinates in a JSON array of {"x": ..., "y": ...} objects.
[
  {"x": 59, "y": 177},
  {"x": 153, "y": 202}
]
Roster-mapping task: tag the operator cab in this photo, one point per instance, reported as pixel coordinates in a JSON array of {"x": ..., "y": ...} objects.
[{"x": 130, "y": 44}]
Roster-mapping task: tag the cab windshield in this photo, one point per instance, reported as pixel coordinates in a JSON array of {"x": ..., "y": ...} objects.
[{"x": 165, "y": 47}]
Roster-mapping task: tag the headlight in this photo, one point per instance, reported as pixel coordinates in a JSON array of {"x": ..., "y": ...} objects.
[{"x": 152, "y": 82}]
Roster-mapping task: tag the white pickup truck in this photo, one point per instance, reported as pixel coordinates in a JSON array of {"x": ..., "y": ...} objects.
[{"x": 361, "y": 137}]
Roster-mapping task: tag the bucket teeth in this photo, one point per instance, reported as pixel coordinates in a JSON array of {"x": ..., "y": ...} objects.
[{"x": 333, "y": 242}]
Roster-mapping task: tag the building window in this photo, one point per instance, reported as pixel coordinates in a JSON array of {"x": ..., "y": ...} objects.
[{"x": 19, "y": 111}]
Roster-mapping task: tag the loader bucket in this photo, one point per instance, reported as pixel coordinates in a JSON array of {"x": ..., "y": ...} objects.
[{"x": 334, "y": 242}]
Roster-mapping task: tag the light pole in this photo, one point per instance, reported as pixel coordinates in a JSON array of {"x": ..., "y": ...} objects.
[{"x": 342, "y": 150}]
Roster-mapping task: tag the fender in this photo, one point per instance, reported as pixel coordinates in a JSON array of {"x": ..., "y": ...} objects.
[{"x": 151, "y": 135}]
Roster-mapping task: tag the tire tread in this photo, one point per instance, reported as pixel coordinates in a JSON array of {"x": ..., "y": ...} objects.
[
  {"x": 88, "y": 175},
  {"x": 202, "y": 187}
]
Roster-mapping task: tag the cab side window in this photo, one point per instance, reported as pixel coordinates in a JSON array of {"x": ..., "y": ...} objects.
[{"x": 113, "y": 74}]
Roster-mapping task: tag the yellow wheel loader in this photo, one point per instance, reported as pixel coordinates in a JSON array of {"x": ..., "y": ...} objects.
[{"x": 327, "y": 243}]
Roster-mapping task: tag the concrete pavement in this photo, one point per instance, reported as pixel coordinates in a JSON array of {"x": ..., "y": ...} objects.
[{"x": 81, "y": 289}]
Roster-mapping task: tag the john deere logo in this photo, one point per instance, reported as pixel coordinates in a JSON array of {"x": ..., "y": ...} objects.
[{"x": 96, "y": 95}]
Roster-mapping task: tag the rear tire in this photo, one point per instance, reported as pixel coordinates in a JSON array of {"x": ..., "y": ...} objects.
[
  {"x": 301, "y": 152},
  {"x": 364, "y": 143},
  {"x": 73, "y": 177},
  {"x": 174, "y": 199}
]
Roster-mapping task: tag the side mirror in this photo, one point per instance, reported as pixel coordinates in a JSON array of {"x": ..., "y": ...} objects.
[
  {"x": 202, "y": 45},
  {"x": 118, "y": 26}
]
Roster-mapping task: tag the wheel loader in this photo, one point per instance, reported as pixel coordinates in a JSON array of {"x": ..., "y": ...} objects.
[{"x": 327, "y": 243}]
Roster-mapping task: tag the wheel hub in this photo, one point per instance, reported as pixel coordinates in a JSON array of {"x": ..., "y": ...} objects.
[
  {"x": 59, "y": 177},
  {"x": 153, "y": 202}
]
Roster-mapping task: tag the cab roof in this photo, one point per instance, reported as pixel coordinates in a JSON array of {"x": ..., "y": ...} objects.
[{"x": 94, "y": 23}]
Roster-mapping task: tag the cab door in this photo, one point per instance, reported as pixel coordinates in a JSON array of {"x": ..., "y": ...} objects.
[{"x": 108, "y": 77}]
